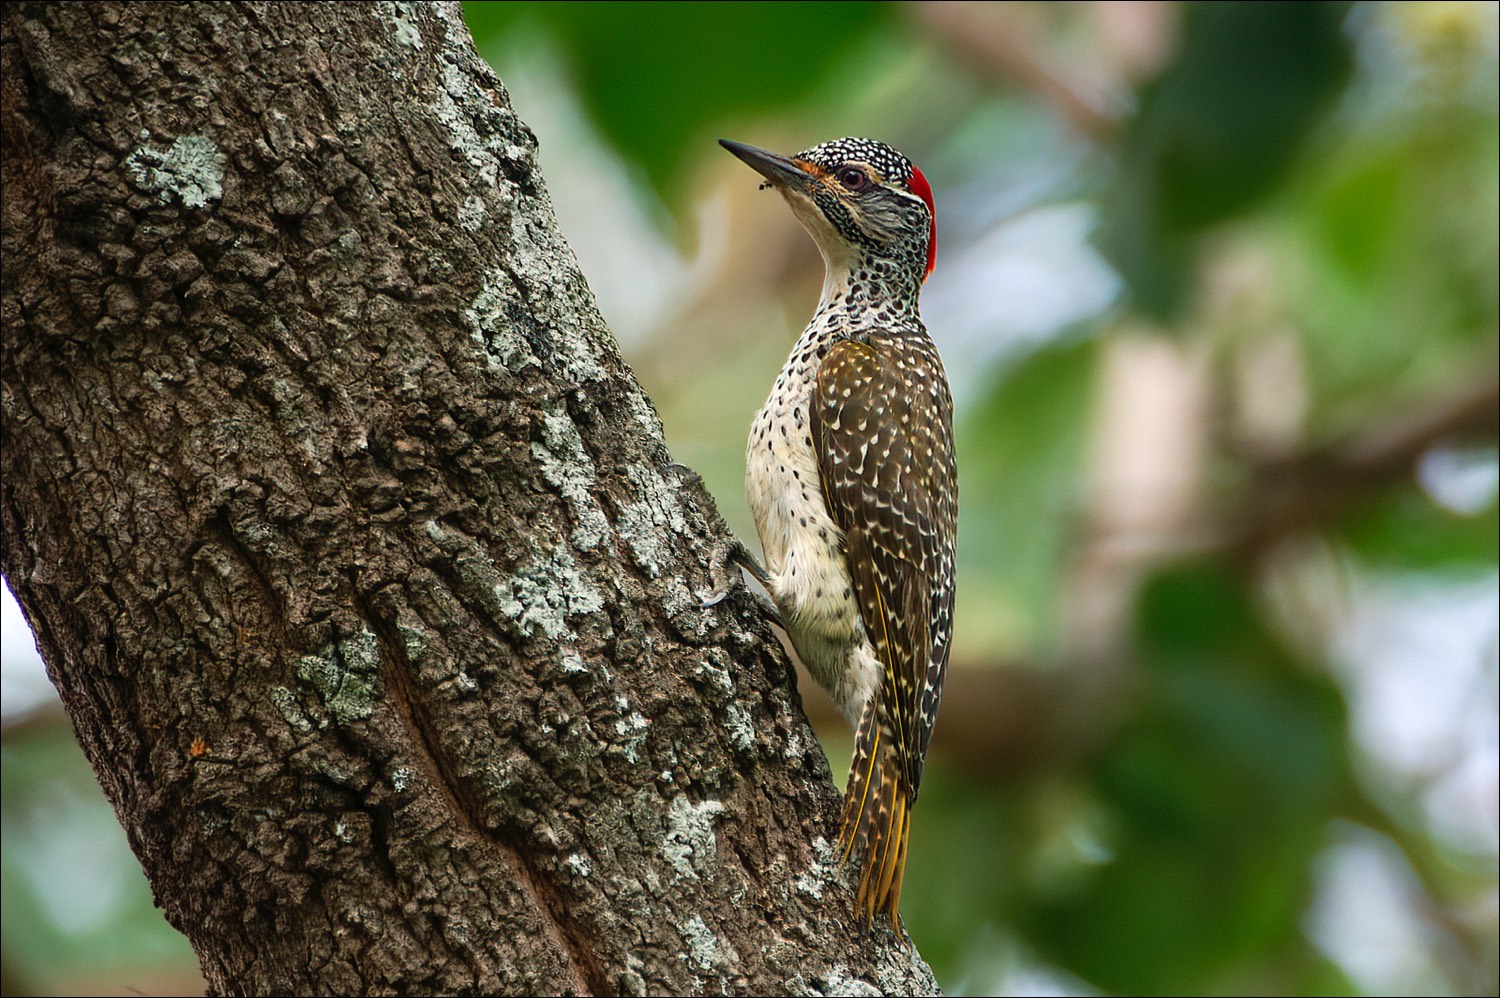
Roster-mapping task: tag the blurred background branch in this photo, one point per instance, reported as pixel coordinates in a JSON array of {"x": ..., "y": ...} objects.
[
  {"x": 1303, "y": 491},
  {"x": 1009, "y": 44}
]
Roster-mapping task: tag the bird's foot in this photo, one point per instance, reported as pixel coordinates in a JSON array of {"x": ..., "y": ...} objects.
[{"x": 735, "y": 553}]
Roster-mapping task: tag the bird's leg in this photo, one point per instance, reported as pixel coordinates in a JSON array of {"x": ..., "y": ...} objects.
[{"x": 735, "y": 553}]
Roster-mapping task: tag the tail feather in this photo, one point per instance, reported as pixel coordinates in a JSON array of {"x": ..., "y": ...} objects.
[
  {"x": 890, "y": 854},
  {"x": 862, "y": 775},
  {"x": 876, "y": 822}
]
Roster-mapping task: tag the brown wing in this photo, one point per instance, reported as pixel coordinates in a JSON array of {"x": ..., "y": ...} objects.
[{"x": 881, "y": 421}]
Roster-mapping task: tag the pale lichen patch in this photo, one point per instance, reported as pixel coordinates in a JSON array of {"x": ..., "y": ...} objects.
[
  {"x": 414, "y": 640},
  {"x": 690, "y": 846},
  {"x": 838, "y": 982},
  {"x": 794, "y": 746},
  {"x": 718, "y": 690},
  {"x": 646, "y": 415},
  {"x": 471, "y": 213},
  {"x": 291, "y": 711},
  {"x": 843, "y": 984},
  {"x": 544, "y": 262},
  {"x": 542, "y": 596},
  {"x": 563, "y": 462},
  {"x": 454, "y": 100},
  {"x": 720, "y": 682},
  {"x": 401, "y": 16},
  {"x": 632, "y": 730},
  {"x": 649, "y": 523},
  {"x": 486, "y": 135},
  {"x": 345, "y": 676},
  {"x": 536, "y": 600},
  {"x": 491, "y": 328},
  {"x": 189, "y": 171},
  {"x": 574, "y": 664},
  {"x": 739, "y": 727},
  {"x": 815, "y": 878},
  {"x": 704, "y": 946}
]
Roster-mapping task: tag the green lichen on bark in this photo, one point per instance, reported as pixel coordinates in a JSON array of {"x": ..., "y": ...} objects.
[
  {"x": 190, "y": 171},
  {"x": 345, "y": 676}
]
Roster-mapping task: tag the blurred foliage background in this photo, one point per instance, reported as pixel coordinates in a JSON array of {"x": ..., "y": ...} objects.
[{"x": 1217, "y": 291}]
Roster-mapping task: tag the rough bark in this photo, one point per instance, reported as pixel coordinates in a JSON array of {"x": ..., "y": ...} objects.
[{"x": 353, "y": 547}]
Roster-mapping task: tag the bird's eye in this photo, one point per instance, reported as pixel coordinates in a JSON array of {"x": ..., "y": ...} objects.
[{"x": 853, "y": 178}]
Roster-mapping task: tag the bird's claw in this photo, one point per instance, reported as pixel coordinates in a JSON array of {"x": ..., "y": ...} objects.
[{"x": 737, "y": 554}]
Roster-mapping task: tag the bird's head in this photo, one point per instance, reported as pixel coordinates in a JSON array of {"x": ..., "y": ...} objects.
[{"x": 860, "y": 199}]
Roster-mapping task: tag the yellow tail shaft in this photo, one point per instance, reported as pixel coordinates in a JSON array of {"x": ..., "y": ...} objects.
[{"x": 876, "y": 823}]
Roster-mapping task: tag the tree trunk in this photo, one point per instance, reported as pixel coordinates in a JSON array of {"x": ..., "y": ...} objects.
[{"x": 354, "y": 548}]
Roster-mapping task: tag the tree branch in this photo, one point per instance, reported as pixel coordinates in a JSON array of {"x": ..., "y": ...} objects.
[
  {"x": 1000, "y": 45},
  {"x": 1291, "y": 494}
]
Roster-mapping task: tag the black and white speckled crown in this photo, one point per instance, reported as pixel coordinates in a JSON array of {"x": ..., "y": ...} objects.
[{"x": 893, "y": 166}]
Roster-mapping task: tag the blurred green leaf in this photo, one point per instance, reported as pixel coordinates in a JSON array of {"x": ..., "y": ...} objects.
[
  {"x": 1389, "y": 261},
  {"x": 1020, "y": 451},
  {"x": 1216, "y": 132},
  {"x": 660, "y": 78},
  {"x": 1404, "y": 530},
  {"x": 1360, "y": 215},
  {"x": 1220, "y": 788}
]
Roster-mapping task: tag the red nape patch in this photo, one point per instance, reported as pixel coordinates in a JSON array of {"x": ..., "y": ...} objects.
[{"x": 922, "y": 189}]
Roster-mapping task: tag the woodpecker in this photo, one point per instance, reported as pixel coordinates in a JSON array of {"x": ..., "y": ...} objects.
[{"x": 851, "y": 480}]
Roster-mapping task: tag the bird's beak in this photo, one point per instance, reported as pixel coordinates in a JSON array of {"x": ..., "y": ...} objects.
[{"x": 781, "y": 171}]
